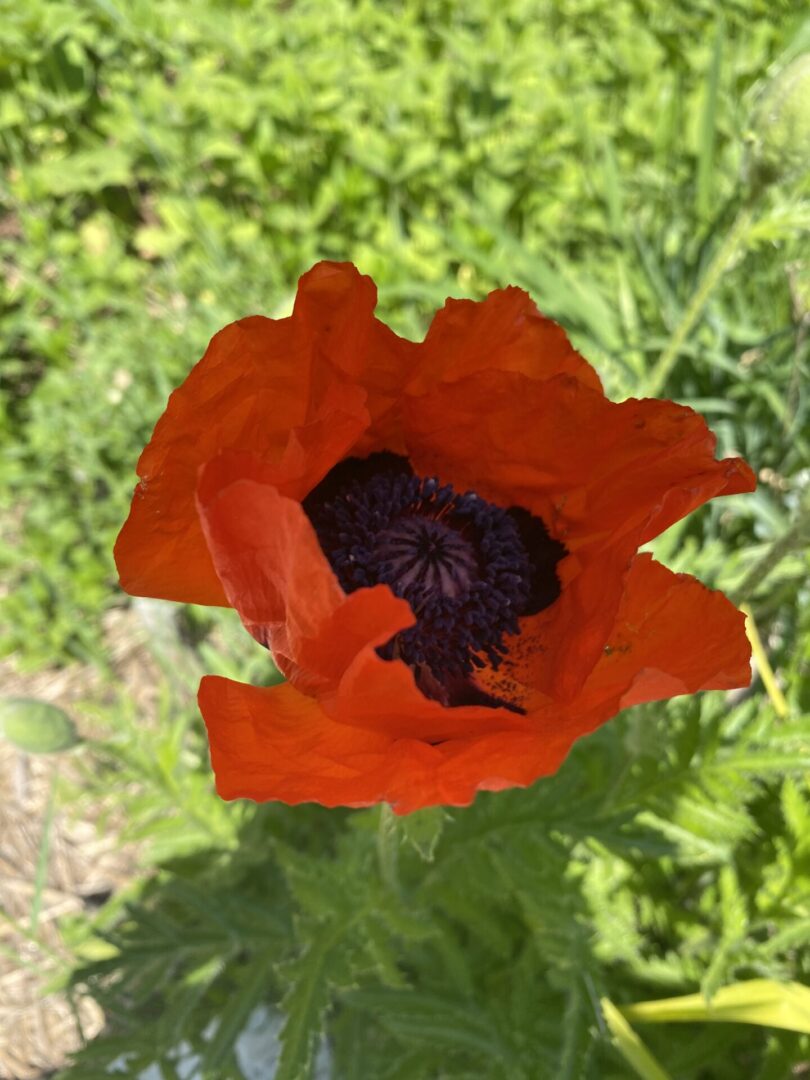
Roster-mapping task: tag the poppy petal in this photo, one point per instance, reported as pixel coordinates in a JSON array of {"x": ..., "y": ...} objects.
[
  {"x": 280, "y": 744},
  {"x": 382, "y": 695},
  {"x": 604, "y": 476},
  {"x": 305, "y": 389},
  {"x": 504, "y": 332},
  {"x": 277, "y": 743},
  {"x": 586, "y": 464},
  {"x": 337, "y": 303},
  {"x": 274, "y": 573},
  {"x": 250, "y": 392},
  {"x": 672, "y": 636}
]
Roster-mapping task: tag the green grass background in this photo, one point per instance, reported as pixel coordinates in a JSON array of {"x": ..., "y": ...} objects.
[{"x": 642, "y": 168}]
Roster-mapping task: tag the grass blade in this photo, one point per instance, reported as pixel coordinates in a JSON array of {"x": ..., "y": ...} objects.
[
  {"x": 708, "y": 130},
  {"x": 44, "y": 851}
]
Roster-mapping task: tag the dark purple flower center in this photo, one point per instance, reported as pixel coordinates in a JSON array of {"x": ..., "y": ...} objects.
[{"x": 468, "y": 568}]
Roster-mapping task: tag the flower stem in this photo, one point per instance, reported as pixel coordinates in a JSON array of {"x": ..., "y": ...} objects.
[
  {"x": 796, "y": 537},
  {"x": 388, "y": 847},
  {"x": 668, "y": 358},
  {"x": 772, "y": 688}
]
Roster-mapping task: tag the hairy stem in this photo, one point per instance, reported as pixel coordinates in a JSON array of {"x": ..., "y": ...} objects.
[
  {"x": 668, "y": 358},
  {"x": 796, "y": 537},
  {"x": 388, "y": 847}
]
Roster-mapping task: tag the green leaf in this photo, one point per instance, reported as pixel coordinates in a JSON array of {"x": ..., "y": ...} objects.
[
  {"x": 36, "y": 727},
  {"x": 577, "y": 1042},
  {"x": 87, "y": 171},
  {"x": 309, "y": 977},
  {"x": 757, "y": 1001},
  {"x": 428, "y": 1018},
  {"x": 235, "y": 1015},
  {"x": 423, "y": 830}
]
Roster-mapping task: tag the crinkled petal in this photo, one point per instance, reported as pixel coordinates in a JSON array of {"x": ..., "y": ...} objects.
[
  {"x": 504, "y": 332},
  {"x": 273, "y": 571},
  {"x": 382, "y": 695},
  {"x": 248, "y": 393},
  {"x": 278, "y": 743},
  {"x": 303, "y": 391},
  {"x": 672, "y": 636},
  {"x": 605, "y": 477},
  {"x": 337, "y": 302},
  {"x": 587, "y": 465},
  {"x": 275, "y": 574}
]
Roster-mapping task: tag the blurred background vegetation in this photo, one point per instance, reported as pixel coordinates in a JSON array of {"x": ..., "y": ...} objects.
[{"x": 641, "y": 167}]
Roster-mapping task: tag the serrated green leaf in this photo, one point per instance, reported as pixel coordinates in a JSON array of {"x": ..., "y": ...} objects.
[
  {"x": 425, "y": 1017},
  {"x": 253, "y": 988},
  {"x": 577, "y": 1044},
  {"x": 423, "y": 830},
  {"x": 309, "y": 977}
]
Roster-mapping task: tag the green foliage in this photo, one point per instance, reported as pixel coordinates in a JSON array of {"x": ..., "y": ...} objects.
[
  {"x": 171, "y": 167},
  {"x": 669, "y": 853}
]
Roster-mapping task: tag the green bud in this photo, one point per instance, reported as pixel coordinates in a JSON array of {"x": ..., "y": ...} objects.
[{"x": 35, "y": 726}]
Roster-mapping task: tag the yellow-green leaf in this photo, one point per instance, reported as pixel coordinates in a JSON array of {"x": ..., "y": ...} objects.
[
  {"x": 630, "y": 1046},
  {"x": 757, "y": 1001}
]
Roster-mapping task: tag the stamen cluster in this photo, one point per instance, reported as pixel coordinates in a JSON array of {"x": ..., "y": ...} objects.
[{"x": 456, "y": 558}]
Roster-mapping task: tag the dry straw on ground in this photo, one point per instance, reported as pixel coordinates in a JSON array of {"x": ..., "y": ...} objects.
[{"x": 38, "y": 1029}]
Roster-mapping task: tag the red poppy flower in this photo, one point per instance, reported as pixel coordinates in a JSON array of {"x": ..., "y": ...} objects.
[{"x": 438, "y": 542}]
